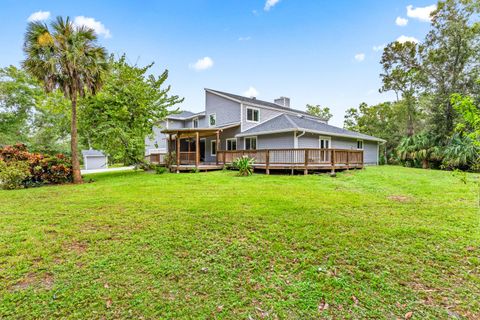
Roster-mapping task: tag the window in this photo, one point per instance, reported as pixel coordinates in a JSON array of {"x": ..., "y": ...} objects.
[
  {"x": 195, "y": 123},
  {"x": 360, "y": 144},
  {"x": 251, "y": 143},
  {"x": 253, "y": 115},
  {"x": 232, "y": 144},
  {"x": 324, "y": 143},
  {"x": 213, "y": 147},
  {"x": 212, "y": 120}
]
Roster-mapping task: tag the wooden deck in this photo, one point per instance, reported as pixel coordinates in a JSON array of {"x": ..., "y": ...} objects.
[
  {"x": 297, "y": 159},
  {"x": 274, "y": 159}
]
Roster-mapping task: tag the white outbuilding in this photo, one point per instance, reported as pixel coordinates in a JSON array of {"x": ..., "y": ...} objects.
[{"x": 94, "y": 159}]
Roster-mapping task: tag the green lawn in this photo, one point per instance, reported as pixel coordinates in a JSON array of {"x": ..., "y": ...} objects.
[{"x": 377, "y": 243}]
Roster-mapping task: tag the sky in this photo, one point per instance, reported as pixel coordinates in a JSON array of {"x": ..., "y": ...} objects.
[{"x": 313, "y": 51}]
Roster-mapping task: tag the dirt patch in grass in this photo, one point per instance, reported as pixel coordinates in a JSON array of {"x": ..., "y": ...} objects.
[
  {"x": 31, "y": 280},
  {"x": 76, "y": 246},
  {"x": 399, "y": 198}
]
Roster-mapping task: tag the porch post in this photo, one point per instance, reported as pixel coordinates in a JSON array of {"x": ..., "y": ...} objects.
[
  {"x": 178, "y": 151},
  {"x": 197, "y": 149},
  {"x": 169, "y": 146},
  {"x": 216, "y": 147}
]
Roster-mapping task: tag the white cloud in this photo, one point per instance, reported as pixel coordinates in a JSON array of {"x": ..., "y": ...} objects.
[
  {"x": 403, "y": 39},
  {"x": 379, "y": 47},
  {"x": 39, "y": 16},
  {"x": 421, "y": 13},
  {"x": 245, "y": 38},
  {"x": 360, "y": 57},
  {"x": 255, "y": 12},
  {"x": 402, "y": 22},
  {"x": 202, "y": 64},
  {"x": 269, "y": 4},
  {"x": 251, "y": 92},
  {"x": 91, "y": 23}
]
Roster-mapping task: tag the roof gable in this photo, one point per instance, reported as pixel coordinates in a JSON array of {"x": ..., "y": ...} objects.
[{"x": 254, "y": 101}]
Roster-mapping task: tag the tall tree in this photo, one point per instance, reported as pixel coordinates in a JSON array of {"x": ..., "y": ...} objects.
[
  {"x": 451, "y": 59},
  {"x": 67, "y": 58},
  {"x": 319, "y": 111},
  {"x": 17, "y": 102},
  {"x": 118, "y": 119},
  {"x": 402, "y": 74}
]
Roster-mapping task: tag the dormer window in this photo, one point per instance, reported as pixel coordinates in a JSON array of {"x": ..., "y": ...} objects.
[{"x": 253, "y": 114}]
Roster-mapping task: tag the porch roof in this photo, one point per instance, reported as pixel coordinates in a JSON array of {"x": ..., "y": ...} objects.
[{"x": 192, "y": 132}]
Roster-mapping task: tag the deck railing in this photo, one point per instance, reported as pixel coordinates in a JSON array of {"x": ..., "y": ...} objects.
[{"x": 297, "y": 158}]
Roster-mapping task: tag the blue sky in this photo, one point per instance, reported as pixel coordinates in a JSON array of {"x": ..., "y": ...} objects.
[{"x": 316, "y": 51}]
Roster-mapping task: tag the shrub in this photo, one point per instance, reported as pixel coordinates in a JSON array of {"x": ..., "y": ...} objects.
[
  {"x": 170, "y": 160},
  {"x": 160, "y": 170},
  {"x": 13, "y": 174},
  {"x": 244, "y": 165},
  {"x": 43, "y": 169}
]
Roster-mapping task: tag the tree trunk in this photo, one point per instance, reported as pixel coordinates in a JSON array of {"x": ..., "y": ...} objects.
[
  {"x": 425, "y": 164},
  {"x": 77, "y": 177}
]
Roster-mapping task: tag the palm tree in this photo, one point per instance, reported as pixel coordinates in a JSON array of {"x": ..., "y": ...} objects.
[
  {"x": 421, "y": 147},
  {"x": 66, "y": 57}
]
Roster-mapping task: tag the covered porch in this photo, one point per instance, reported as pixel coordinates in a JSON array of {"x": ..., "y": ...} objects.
[{"x": 189, "y": 147}]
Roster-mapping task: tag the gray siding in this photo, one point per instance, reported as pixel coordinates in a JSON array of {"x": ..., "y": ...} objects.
[
  {"x": 308, "y": 140},
  {"x": 370, "y": 153},
  {"x": 228, "y": 133},
  {"x": 156, "y": 138},
  {"x": 264, "y": 115},
  {"x": 275, "y": 141},
  {"x": 226, "y": 111},
  {"x": 92, "y": 163}
]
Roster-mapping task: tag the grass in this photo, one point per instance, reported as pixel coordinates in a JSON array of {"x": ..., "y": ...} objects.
[{"x": 377, "y": 243}]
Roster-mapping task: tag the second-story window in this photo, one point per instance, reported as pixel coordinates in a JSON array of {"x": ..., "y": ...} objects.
[
  {"x": 253, "y": 115},
  {"x": 212, "y": 120},
  {"x": 195, "y": 123}
]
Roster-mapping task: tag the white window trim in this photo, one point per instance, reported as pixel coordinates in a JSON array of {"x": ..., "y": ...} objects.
[
  {"x": 211, "y": 148},
  {"x": 215, "y": 116},
  {"x": 246, "y": 114},
  {"x": 320, "y": 138},
  {"x": 363, "y": 146},
  {"x": 245, "y": 142},
  {"x": 198, "y": 122},
  {"x": 231, "y": 139}
]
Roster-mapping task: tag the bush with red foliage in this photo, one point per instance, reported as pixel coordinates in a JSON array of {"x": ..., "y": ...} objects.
[{"x": 44, "y": 169}]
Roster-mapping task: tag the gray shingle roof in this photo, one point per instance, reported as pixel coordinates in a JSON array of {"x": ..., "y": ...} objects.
[
  {"x": 285, "y": 122},
  {"x": 92, "y": 152},
  {"x": 261, "y": 102}
]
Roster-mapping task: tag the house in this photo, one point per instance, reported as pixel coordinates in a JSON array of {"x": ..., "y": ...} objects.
[
  {"x": 94, "y": 159},
  {"x": 234, "y": 125}
]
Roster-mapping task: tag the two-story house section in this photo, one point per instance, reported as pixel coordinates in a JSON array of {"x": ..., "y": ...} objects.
[{"x": 252, "y": 124}]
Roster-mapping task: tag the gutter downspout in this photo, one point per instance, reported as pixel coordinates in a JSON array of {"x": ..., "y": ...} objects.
[{"x": 295, "y": 142}]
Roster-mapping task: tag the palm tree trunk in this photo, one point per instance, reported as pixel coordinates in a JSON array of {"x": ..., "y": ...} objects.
[
  {"x": 77, "y": 177},
  {"x": 425, "y": 164}
]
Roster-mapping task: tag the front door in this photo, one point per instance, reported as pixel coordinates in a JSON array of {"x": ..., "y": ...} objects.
[{"x": 324, "y": 143}]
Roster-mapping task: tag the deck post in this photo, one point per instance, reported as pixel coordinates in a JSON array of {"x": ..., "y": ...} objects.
[
  {"x": 197, "y": 149},
  {"x": 348, "y": 160},
  {"x": 178, "y": 152},
  {"x": 305, "y": 171},
  {"x": 169, "y": 145},
  {"x": 216, "y": 147},
  {"x": 267, "y": 162},
  {"x": 333, "y": 160}
]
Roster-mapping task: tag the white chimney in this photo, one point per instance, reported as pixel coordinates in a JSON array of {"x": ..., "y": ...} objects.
[{"x": 283, "y": 101}]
